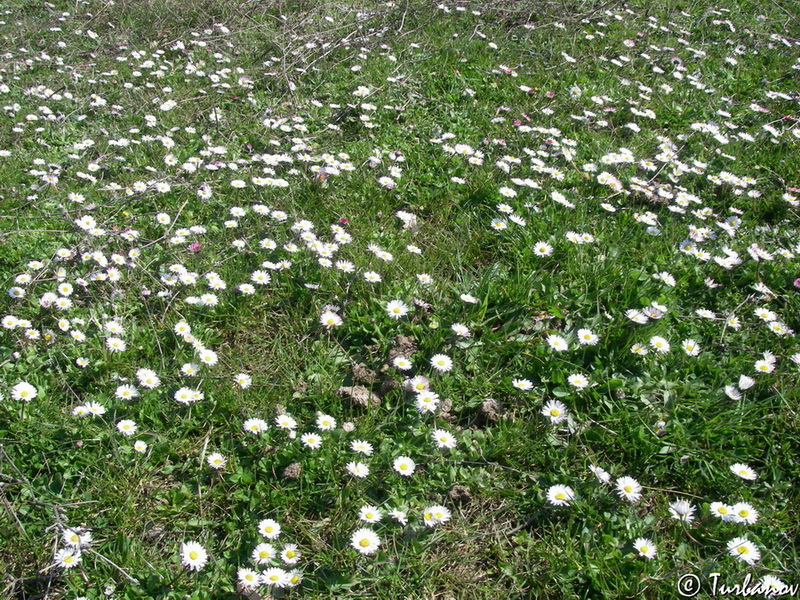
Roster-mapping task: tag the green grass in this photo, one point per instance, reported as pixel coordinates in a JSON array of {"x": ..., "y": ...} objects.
[{"x": 283, "y": 76}]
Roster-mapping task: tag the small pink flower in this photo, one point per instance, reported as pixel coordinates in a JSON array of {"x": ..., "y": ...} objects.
[
  {"x": 343, "y": 221},
  {"x": 797, "y": 282},
  {"x": 550, "y": 94},
  {"x": 194, "y": 247}
]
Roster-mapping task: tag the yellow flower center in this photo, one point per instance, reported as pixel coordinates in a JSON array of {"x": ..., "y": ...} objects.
[
  {"x": 290, "y": 554},
  {"x": 193, "y": 555},
  {"x": 628, "y": 489},
  {"x": 560, "y": 496},
  {"x": 364, "y": 542}
]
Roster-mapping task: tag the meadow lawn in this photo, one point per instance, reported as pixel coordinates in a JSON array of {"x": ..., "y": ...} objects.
[{"x": 399, "y": 299}]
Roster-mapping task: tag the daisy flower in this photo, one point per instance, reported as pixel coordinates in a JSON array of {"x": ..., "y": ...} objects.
[
  {"x": 732, "y": 393},
  {"x": 436, "y": 515},
  {"x": 286, "y": 422},
  {"x": 441, "y": 362},
  {"x": 275, "y": 577},
  {"x": 629, "y": 489},
  {"x": 24, "y": 391},
  {"x": 578, "y": 381},
  {"x": 602, "y": 475},
  {"x": 659, "y": 344},
  {"x": 645, "y": 547},
  {"x": 357, "y": 469},
  {"x": 399, "y": 516},
  {"x": 691, "y": 347},
  {"x": 404, "y": 465},
  {"x": 193, "y": 556},
  {"x": 187, "y": 396},
  {"x": 311, "y": 441},
  {"x": 587, "y": 338},
  {"x": 126, "y": 392},
  {"x": 744, "y": 550},
  {"x": 77, "y": 538},
  {"x": 67, "y": 558},
  {"x": 326, "y": 422},
  {"x": 560, "y": 495},
  {"x": 330, "y": 319},
  {"x": 427, "y": 401},
  {"x": 722, "y": 511},
  {"x": 361, "y": 446},
  {"x": 499, "y": 224},
  {"x": 216, "y": 461},
  {"x": 290, "y": 555},
  {"x": 557, "y": 343},
  {"x": 255, "y": 426},
  {"x": 764, "y": 366},
  {"x": 372, "y": 277},
  {"x": 295, "y": 577},
  {"x": 522, "y": 384},
  {"x": 243, "y": 380},
  {"x": 744, "y": 471},
  {"x": 365, "y": 541},
  {"x": 542, "y": 249},
  {"x": 416, "y": 384},
  {"x": 248, "y": 578},
  {"x": 555, "y": 411},
  {"x": 402, "y": 363},
  {"x": 744, "y": 513},
  {"x": 208, "y": 357},
  {"x": 772, "y": 586},
  {"x": 95, "y": 408},
  {"x": 746, "y": 382},
  {"x": 396, "y": 309},
  {"x": 681, "y": 510},
  {"x": 370, "y": 514},
  {"x": 263, "y": 554},
  {"x": 148, "y": 379},
  {"x": 444, "y": 439},
  {"x": 126, "y": 427},
  {"x": 269, "y": 528},
  {"x": 461, "y": 330}
]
